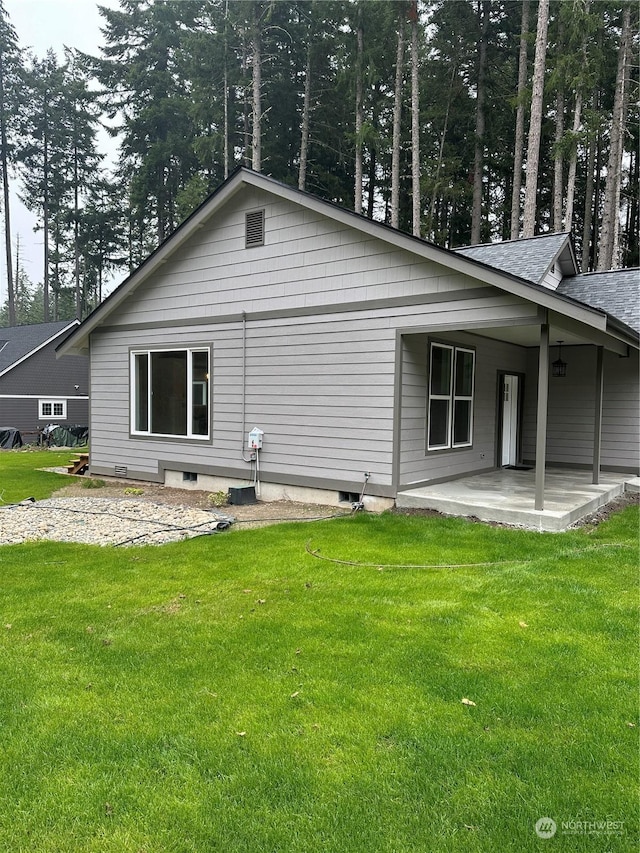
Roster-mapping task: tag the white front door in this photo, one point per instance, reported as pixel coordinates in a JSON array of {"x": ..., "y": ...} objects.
[{"x": 510, "y": 407}]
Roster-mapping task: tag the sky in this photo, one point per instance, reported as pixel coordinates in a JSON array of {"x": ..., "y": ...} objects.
[{"x": 41, "y": 24}]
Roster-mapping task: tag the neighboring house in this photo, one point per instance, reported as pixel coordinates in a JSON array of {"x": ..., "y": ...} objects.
[
  {"x": 358, "y": 350},
  {"x": 36, "y": 387}
]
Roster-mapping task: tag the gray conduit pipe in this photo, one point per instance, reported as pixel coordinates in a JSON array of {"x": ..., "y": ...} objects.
[{"x": 244, "y": 387}]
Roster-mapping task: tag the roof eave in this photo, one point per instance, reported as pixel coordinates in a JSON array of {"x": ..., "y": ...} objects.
[{"x": 40, "y": 346}]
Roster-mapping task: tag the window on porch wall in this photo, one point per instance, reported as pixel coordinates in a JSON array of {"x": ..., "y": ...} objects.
[{"x": 451, "y": 386}]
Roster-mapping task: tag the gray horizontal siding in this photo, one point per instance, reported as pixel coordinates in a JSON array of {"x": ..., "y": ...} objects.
[
  {"x": 307, "y": 260},
  {"x": 47, "y": 376},
  {"x": 321, "y": 388},
  {"x": 311, "y": 410},
  {"x": 416, "y": 463},
  {"x": 23, "y": 414}
]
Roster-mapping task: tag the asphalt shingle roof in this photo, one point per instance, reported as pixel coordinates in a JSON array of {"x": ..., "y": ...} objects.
[
  {"x": 527, "y": 258},
  {"x": 616, "y": 291},
  {"x": 16, "y": 342}
]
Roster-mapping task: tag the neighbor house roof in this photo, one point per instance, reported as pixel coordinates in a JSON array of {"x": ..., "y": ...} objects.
[
  {"x": 616, "y": 291},
  {"x": 544, "y": 248},
  {"x": 529, "y": 258},
  {"x": 18, "y": 343}
]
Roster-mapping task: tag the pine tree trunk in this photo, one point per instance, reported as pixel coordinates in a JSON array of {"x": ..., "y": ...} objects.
[
  {"x": 76, "y": 234},
  {"x": 573, "y": 163},
  {"x": 256, "y": 65},
  {"x": 535, "y": 124},
  {"x": 588, "y": 207},
  {"x": 11, "y": 305},
  {"x": 397, "y": 116},
  {"x": 359, "y": 114},
  {"x": 245, "y": 102},
  {"x": 431, "y": 217},
  {"x": 478, "y": 162},
  {"x": 415, "y": 121},
  {"x": 633, "y": 225},
  {"x": 304, "y": 132},
  {"x": 225, "y": 93},
  {"x": 558, "y": 164},
  {"x": 518, "y": 149},
  {"x": 597, "y": 194},
  {"x": 606, "y": 259},
  {"x": 371, "y": 188},
  {"x": 45, "y": 215}
]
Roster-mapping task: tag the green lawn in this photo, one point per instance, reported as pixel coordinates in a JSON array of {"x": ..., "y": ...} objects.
[{"x": 235, "y": 693}]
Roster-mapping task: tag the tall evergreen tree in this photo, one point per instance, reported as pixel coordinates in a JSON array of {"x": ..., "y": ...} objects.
[
  {"x": 10, "y": 87},
  {"x": 43, "y": 153},
  {"x": 141, "y": 88}
]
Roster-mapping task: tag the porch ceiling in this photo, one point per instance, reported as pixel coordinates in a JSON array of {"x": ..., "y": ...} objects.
[{"x": 529, "y": 336}]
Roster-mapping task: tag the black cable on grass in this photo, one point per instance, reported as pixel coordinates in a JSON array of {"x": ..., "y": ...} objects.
[
  {"x": 219, "y": 528},
  {"x": 316, "y": 553},
  {"x": 289, "y": 518}
]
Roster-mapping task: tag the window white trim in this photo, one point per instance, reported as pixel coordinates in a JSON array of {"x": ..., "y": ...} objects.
[
  {"x": 196, "y": 393},
  {"x": 450, "y": 396},
  {"x": 52, "y": 409}
]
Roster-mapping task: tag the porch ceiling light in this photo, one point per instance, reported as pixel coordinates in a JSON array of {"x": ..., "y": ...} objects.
[{"x": 559, "y": 367}]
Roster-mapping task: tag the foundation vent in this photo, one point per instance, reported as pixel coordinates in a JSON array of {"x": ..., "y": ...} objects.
[{"x": 120, "y": 470}]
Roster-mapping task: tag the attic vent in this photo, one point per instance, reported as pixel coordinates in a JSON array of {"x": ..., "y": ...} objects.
[{"x": 254, "y": 229}]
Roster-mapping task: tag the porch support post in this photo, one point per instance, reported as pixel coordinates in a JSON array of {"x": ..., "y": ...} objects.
[
  {"x": 597, "y": 419},
  {"x": 541, "y": 420}
]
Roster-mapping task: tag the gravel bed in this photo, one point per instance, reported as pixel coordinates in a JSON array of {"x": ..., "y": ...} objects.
[{"x": 104, "y": 521}]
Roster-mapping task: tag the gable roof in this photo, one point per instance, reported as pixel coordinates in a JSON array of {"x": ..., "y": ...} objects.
[
  {"x": 455, "y": 261},
  {"x": 615, "y": 291},
  {"x": 530, "y": 258},
  {"x": 17, "y": 343}
]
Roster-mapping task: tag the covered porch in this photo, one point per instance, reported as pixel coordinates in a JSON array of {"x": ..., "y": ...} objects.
[
  {"x": 508, "y": 496},
  {"x": 534, "y": 452}
]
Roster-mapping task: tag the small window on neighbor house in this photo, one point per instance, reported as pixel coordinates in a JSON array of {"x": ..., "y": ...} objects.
[
  {"x": 48, "y": 409},
  {"x": 254, "y": 229}
]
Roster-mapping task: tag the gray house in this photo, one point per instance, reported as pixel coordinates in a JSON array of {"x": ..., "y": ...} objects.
[
  {"x": 361, "y": 353},
  {"x": 37, "y": 388}
]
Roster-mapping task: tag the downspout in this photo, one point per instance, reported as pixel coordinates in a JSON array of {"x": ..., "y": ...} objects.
[
  {"x": 597, "y": 419},
  {"x": 541, "y": 420}
]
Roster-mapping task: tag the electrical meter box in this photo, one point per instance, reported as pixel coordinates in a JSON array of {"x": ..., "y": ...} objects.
[{"x": 255, "y": 439}]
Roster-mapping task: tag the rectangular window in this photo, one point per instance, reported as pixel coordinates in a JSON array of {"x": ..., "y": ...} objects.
[
  {"x": 170, "y": 392},
  {"x": 48, "y": 409},
  {"x": 450, "y": 407}
]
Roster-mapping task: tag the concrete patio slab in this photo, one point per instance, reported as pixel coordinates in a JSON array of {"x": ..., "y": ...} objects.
[{"x": 508, "y": 496}]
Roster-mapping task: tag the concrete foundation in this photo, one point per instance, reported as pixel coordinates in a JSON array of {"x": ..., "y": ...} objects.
[{"x": 274, "y": 491}]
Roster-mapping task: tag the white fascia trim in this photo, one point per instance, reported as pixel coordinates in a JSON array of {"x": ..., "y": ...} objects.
[{"x": 52, "y": 397}]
